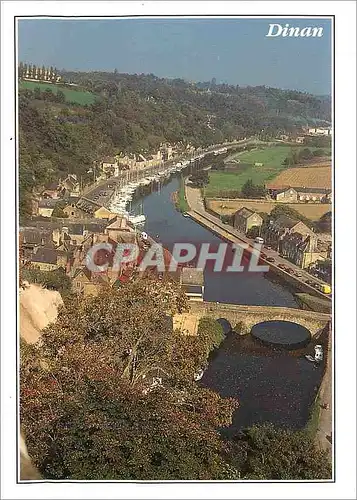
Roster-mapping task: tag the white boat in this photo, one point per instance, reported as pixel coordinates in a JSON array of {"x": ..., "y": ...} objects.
[
  {"x": 318, "y": 353},
  {"x": 137, "y": 219},
  {"x": 197, "y": 376},
  {"x": 185, "y": 214},
  {"x": 318, "y": 357}
]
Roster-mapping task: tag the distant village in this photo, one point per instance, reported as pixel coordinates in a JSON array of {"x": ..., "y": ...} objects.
[{"x": 60, "y": 240}]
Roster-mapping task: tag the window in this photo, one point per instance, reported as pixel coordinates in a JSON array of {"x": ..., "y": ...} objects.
[{"x": 72, "y": 213}]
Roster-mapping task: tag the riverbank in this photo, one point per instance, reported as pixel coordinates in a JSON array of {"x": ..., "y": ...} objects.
[
  {"x": 227, "y": 232},
  {"x": 179, "y": 198}
]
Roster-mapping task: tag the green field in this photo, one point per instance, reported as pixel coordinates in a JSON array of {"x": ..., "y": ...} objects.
[
  {"x": 77, "y": 96},
  {"x": 271, "y": 158}
]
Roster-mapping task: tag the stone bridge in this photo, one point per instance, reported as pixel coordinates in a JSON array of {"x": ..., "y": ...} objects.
[{"x": 249, "y": 316}]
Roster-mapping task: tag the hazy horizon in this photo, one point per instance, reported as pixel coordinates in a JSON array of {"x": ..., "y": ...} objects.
[{"x": 234, "y": 51}]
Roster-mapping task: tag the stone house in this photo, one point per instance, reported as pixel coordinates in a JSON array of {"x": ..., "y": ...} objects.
[
  {"x": 46, "y": 207},
  {"x": 290, "y": 194},
  {"x": 108, "y": 165},
  {"x": 283, "y": 225},
  {"x": 31, "y": 238},
  {"x": 287, "y": 195},
  {"x": 51, "y": 191},
  {"x": 300, "y": 249},
  {"x": 244, "y": 219},
  {"x": 48, "y": 259},
  {"x": 70, "y": 209},
  {"x": 192, "y": 282},
  {"x": 69, "y": 186},
  {"x": 86, "y": 283},
  {"x": 119, "y": 226},
  {"x": 90, "y": 208},
  {"x": 314, "y": 194}
]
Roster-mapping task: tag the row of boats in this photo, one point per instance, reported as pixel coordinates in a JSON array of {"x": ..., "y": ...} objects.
[{"x": 122, "y": 198}]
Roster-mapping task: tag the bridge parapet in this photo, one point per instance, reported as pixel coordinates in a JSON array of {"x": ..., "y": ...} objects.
[{"x": 248, "y": 316}]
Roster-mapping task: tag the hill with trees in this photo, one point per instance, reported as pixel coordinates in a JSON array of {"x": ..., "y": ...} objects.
[
  {"x": 90, "y": 412},
  {"x": 136, "y": 113}
]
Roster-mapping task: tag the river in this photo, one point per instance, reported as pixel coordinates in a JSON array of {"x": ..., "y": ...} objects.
[
  {"x": 271, "y": 385},
  {"x": 167, "y": 225}
]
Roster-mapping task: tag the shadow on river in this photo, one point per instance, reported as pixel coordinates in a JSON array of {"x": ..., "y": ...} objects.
[{"x": 271, "y": 385}]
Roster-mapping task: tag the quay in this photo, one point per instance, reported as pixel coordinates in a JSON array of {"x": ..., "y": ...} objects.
[{"x": 228, "y": 233}]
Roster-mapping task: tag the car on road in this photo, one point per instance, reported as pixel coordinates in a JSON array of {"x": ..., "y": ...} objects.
[
  {"x": 282, "y": 266},
  {"x": 298, "y": 275},
  {"x": 310, "y": 282},
  {"x": 263, "y": 255},
  {"x": 270, "y": 259},
  {"x": 267, "y": 247}
]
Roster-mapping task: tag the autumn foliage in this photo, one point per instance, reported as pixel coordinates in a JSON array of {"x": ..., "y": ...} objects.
[{"x": 84, "y": 407}]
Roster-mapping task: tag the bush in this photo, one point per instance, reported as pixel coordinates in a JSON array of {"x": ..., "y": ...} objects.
[
  {"x": 52, "y": 280},
  {"x": 240, "y": 328},
  {"x": 267, "y": 452},
  {"x": 210, "y": 335}
]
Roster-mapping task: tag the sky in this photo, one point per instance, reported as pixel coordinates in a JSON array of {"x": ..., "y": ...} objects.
[{"x": 234, "y": 51}]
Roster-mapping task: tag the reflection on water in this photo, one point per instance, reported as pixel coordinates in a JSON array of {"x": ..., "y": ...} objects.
[
  {"x": 271, "y": 386},
  {"x": 283, "y": 333}
]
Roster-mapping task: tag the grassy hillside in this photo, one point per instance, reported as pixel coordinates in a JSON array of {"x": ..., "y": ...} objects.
[
  {"x": 71, "y": 95},
  {"x": 272, "y": 159},
  {"x": 67, "y": 129}
]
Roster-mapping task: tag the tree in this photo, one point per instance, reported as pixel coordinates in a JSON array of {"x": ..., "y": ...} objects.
[
  {"x": 86, "y": 416},
  {"x": 269, "y": 453},
  {"x": 251, "y": 190},
  {"x": 58, "y": 210},
  {"x": 318, "y": 152},
  {"x": 60, "y": 96},
  {"x": 199, "y": 178},
  {"x": 283, "y": 209},
  {"x": 53, "y": 280},
  {"x": 253, "y": 232},
  {"x": 305, "y": 154},
  {"x": 37, "y": 93}
]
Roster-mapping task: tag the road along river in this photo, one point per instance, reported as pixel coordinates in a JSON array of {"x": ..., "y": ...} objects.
[{"x": 275, "y": 385}]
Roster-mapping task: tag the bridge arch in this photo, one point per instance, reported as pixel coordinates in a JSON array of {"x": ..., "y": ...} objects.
[{"x": 249, "y": 316}]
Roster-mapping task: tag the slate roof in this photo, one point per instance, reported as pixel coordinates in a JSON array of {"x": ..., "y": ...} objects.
[
  {"x": 35, "y": 236},
  {"x": 47, "y": 203},
  {"x": 312, "y": 190},
  {"x": 45, "y": 255},
  {"x": 51, "y": 187},
  {"x": 285, "y": 221},
  {"x": 244, "y": 212}
]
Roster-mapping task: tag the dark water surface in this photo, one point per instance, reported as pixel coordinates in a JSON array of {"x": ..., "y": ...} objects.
[
  {"x": 281, "y": 333},
  {"x": 270, "y": 386},
  {"x": 164, "y": 223}
]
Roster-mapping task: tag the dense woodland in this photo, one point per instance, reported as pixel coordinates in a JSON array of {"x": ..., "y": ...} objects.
[
  {"x": 134, "y": 113},
  {"x": 87, "y": 414}
]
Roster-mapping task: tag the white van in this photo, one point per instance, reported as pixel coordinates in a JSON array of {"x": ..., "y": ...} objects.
[{"x": 259, "y": 240}]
